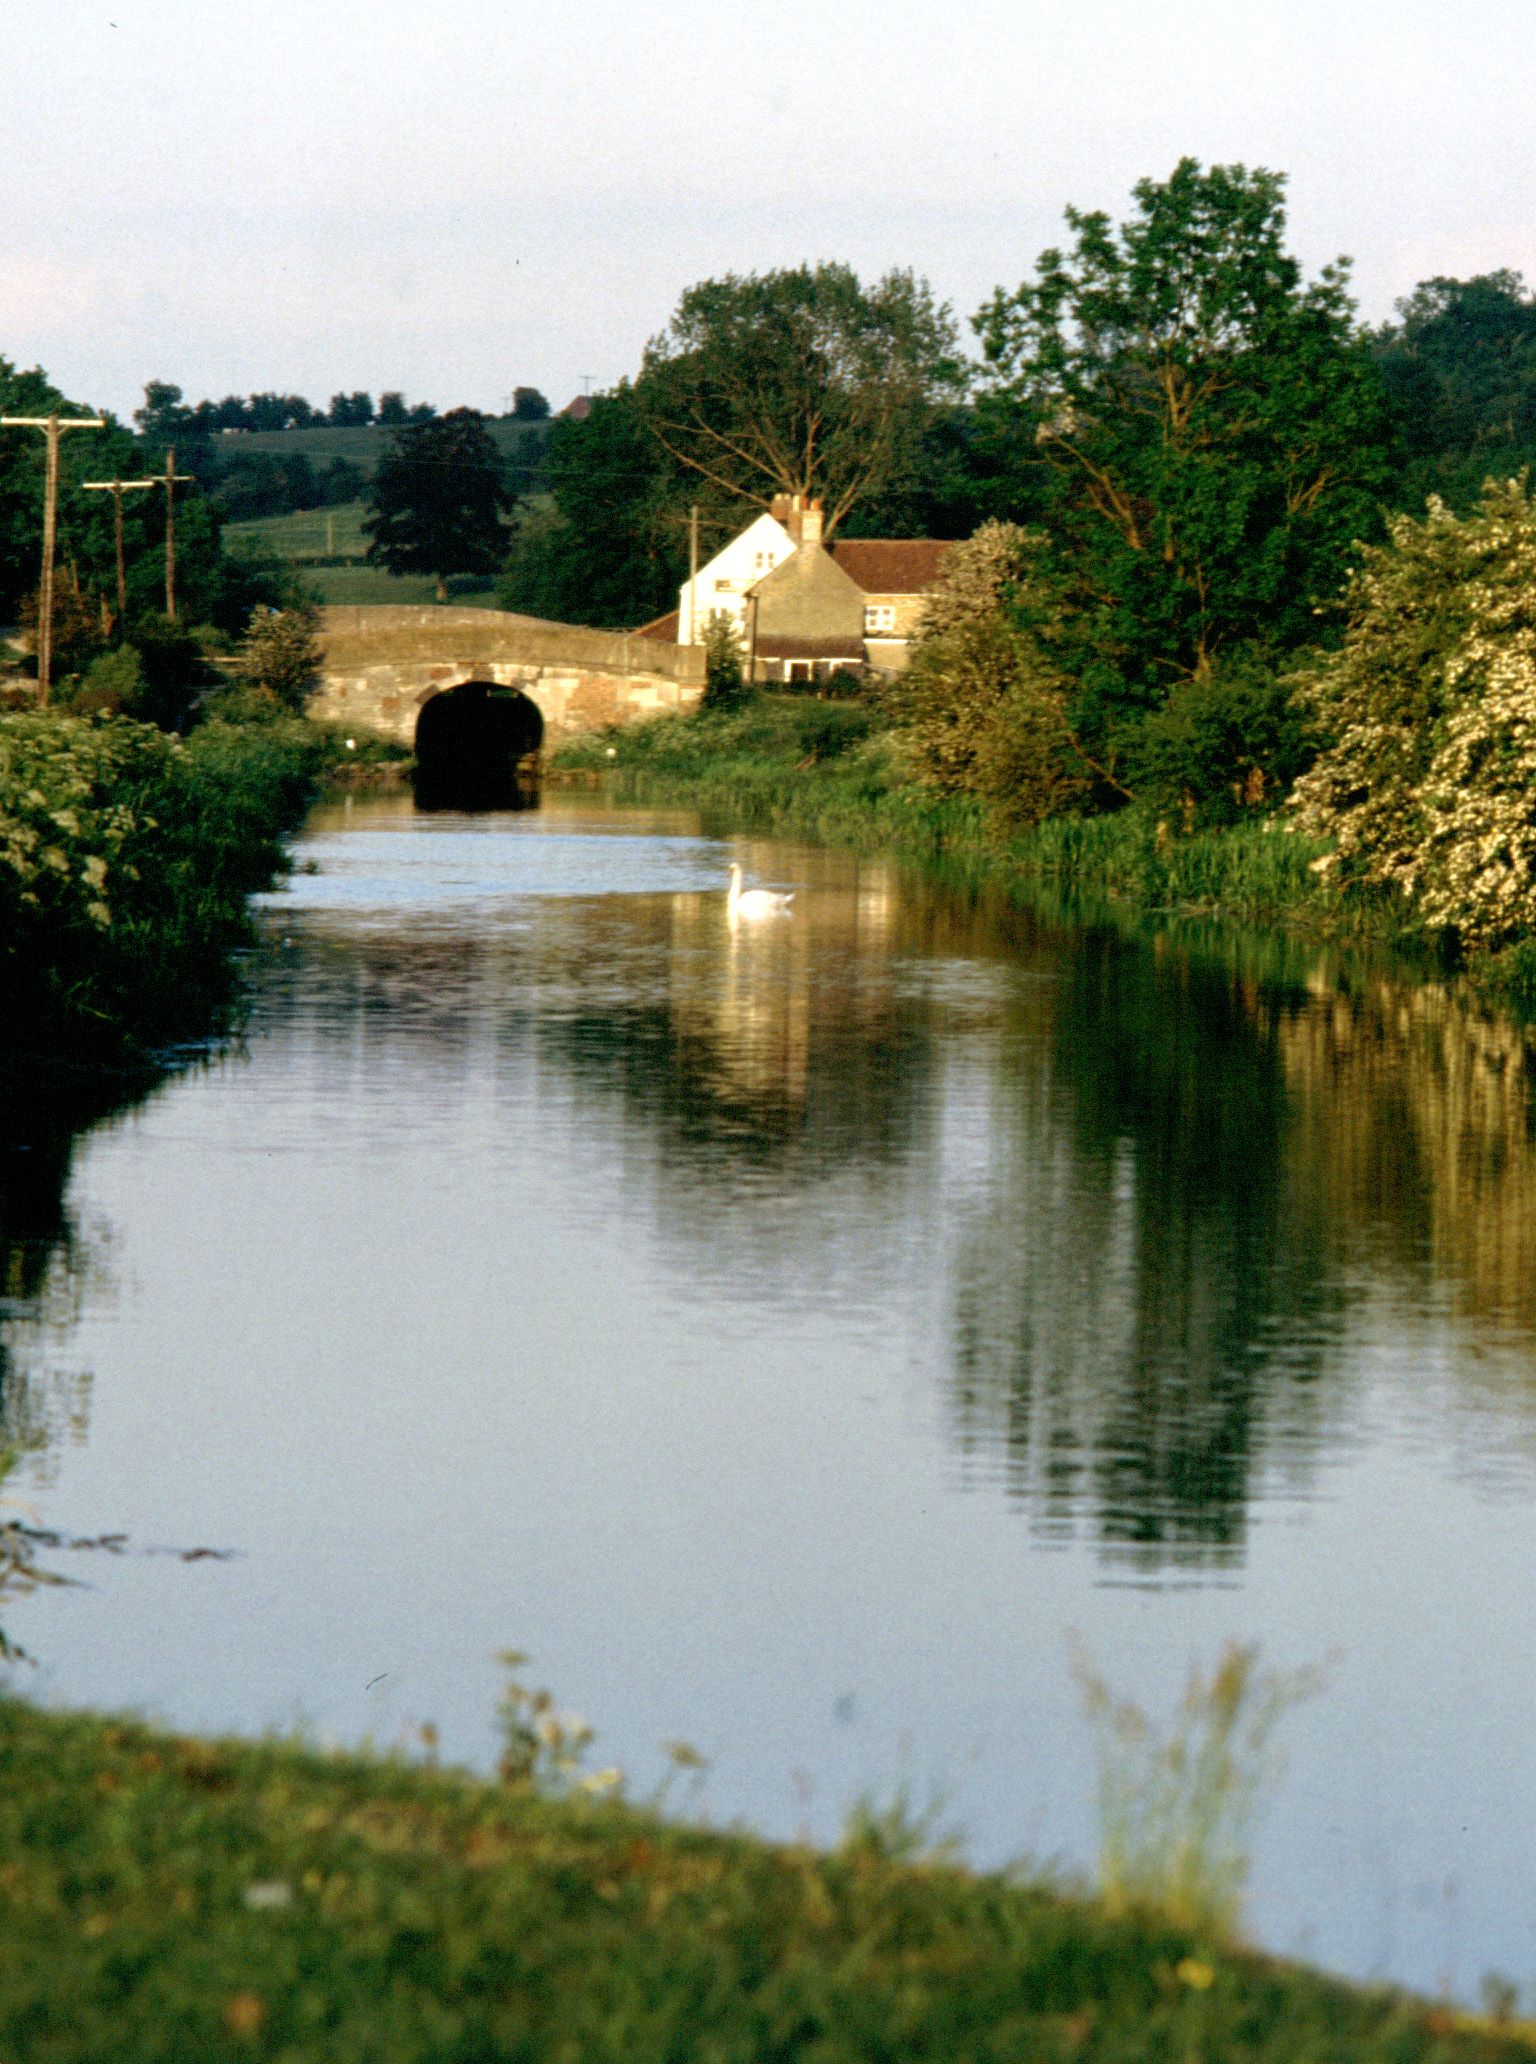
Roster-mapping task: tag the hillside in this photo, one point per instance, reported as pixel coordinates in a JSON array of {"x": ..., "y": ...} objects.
[{"x": 362, "y": 446}]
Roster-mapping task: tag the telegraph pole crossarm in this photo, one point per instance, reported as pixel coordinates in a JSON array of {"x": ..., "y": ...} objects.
[
  {"x": 52, "y": 428},
  {"x": 117, "y": 489}
]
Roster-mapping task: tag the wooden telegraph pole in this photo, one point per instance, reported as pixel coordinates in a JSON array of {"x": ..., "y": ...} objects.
[
  {"x": 117, "y": 489},
  {"x": 52, "y": 428},
  {"x": 693, "y": 576},
  {"x": 170, "y": 481}
]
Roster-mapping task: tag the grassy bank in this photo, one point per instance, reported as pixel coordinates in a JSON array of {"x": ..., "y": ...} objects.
[
  {"x": 169, "y": 1899},
  {"x": 126, "y": 861},
  {"x": 825, "y": 770}
]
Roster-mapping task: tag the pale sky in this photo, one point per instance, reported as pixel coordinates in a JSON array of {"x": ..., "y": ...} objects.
[{"x": 456, "y": 199}]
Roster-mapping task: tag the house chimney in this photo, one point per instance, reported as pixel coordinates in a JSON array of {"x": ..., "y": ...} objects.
[
  {"x": 780, "y": 508},
  {"x": 810, "y": 523}
]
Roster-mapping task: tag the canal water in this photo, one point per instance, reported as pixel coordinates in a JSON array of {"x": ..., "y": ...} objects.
[{"x": 793, "y": 1335}]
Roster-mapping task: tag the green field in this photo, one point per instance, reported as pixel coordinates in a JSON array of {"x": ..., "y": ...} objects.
[
  {"x": 366, "y": 584},
  {"x": 308, "y": 534},
  {"x": 362, "y": 447},
  {"x": 304, "y": 533}
]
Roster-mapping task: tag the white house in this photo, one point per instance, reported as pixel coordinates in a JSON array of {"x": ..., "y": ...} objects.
[
  {"x": 804, "y": 610},
  {"x": 721, "y": 586}
]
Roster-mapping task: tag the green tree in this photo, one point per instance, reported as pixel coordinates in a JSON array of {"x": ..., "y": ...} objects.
[
  {"x": 164, "y": 413},
  {"x": 529, "y": 405},
  {"x": 29, "y": 393},
  {"x": 1460, "y": 372},
  {"x": 725, "y": 681},
  {"x": 351, "y": 411},
  {"x": 440, "y": 500},
  {"x": 800, "y": 382},
  {"x": 173, "y": 668},
  {"x": 613, "y": 547},
  {"x": 112, "y": 685},
  {"x": 981, "y": 708},
  {"x": 1429, "y": 712},
  {"x": 280, "y": 655},
  {"x": 1209, "y": 429}
]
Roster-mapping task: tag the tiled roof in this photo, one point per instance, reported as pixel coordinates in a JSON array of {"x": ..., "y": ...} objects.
[
  {"x": 892, "y": 566},
  {"x": 662, "y": 627}
]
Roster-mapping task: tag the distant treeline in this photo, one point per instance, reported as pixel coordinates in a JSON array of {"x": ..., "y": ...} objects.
[
  {"x": 252, "y": 483},
  {"x": 167, "y": 414}
]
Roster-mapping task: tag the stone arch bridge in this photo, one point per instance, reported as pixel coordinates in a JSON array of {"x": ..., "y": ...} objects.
[{"x": 382, "y": 665}]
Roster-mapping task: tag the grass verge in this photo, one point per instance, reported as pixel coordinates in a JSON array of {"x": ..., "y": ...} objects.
[{"x": 170, "y": 1899}]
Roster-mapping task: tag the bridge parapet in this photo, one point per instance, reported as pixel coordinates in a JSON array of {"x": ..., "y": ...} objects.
[{"x": 380, "y": 664}]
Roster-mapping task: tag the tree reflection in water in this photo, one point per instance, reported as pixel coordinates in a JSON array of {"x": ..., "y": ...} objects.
[
  {"x": 49, "y": 1265},
  {"x": 1149, "y": 1183},
  {"x": 1143, "y": 1306}
]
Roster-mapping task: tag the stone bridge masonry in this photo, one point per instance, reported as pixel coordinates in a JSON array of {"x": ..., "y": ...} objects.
[{"x": 382, "y": 664}]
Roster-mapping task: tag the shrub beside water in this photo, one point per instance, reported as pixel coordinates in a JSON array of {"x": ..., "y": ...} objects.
[{"x": 126, "y": 858}]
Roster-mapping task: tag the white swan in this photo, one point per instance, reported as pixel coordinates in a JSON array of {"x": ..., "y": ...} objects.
[{"x": 756, "y": 902}]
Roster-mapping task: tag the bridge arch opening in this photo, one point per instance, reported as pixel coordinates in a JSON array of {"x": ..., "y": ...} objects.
[{"x": 477, "y": 748}]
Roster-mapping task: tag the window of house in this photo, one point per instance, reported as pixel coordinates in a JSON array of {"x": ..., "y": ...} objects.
[
  {"x": 879, "y": 616},
  {"x": 724, "y": 587}
]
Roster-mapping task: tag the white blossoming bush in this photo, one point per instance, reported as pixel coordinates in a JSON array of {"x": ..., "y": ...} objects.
[{"x": 1427, "y": 783}]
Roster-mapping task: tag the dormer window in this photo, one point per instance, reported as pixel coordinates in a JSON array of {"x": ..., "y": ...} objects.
[{"x": 879, "y": 616}]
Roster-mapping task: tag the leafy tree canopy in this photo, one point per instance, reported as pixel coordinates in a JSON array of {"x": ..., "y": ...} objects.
[
  {"x": 801, "y": 381},
  {"x": 29, "y": 393},
  {"x": 440, "y": 500},
  {"x": 281, "y": 655},
  {"x": 164, "y": 411},
  {"x": 1460, "y": 371},
  {"x": 211, "y": 586},
  {"x": 1429, "y": 710},
  {"x": 982, "y": 709},
  {"x": 613, "y": 547},
  {"x": 1207, "y": 428}
]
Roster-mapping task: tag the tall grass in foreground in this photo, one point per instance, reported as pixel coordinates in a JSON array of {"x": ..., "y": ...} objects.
[{"x": 1177, "y": 1809}]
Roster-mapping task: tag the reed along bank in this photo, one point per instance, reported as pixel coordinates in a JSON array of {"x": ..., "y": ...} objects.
[{"x": 831, "y": 771}]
